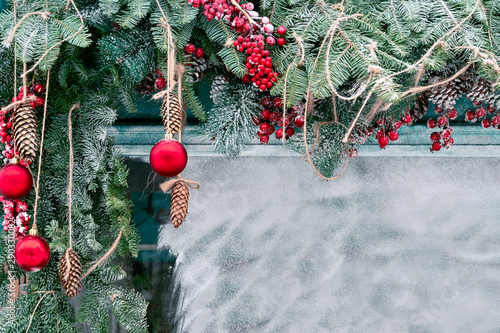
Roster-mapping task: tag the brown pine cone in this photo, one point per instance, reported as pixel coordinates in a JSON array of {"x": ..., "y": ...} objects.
[
  {"x": 171, "y": 114},
  {"x": 25, "y": 132},
  {"x": 70, "y": 272},
  {"x": 179, "y": 199}
]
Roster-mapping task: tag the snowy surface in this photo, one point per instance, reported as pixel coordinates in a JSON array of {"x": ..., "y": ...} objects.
[{"x": 394, "y": 245}]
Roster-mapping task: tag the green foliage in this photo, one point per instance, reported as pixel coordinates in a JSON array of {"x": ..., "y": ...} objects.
[{"x": 230, "y": 120}]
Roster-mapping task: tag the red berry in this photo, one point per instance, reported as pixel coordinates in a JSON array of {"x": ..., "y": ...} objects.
[
  {"x": 379, "y": 134},
  {"x": 369, "y": 131},
  {"x": 470, "y": 116},
  {"x": 281, "y": 30},
  {"x": 393, "y": 135},
  {"x": 397, "y": 125},
  {"x": 436, "y": 146},
  {"x": 380, "y": 121},
  {"x": 353, "y": 153},
  {"x": 199, "y": 53},
  {"x": 438, "y": 110},
  {"x": 270, "y": 40},
  {"x": 383, "y": 141},
  {"x": 299, "y": 121},
  {"x": 263, "y": 87},
  {"x": 445, "y": 134},
  {"x": 290, "y": 131},
  {"x": 39, "y": 101},
  {"x": 264, "y": 127},
  {"x": 452, "y": 114},
  {"x": 477, "y": 103},
  {"x": 480, "y": 112},
  {"x": 277, "y": 102},
  {"x": 160, "y": 83},
  {"x": 281, "y": 41},
  {"x": 264, "y": 139},
  {"x": 495, "y": 120},
  {"x": 33, "y": 104},
  {"x": 490, "y": 109},
  {"x": 265, "y": 102},
  {"x": 431, "y": 123},
  {"x": 246, "y": 79},
  {"x": 406, "y": 119},
  {"x": 435, "y": 136},
  {"x": 279, "y": 133},
  {"x": 271, "y": 129},
  {"x": 274, "y": 116},
  {"x": 190, "y": 48},
  {"x": 265, "y": 114},
  {"x": 486, "y": 123},
  {"x": 39, "y": 88},
  {"x": 442, "y": 120},
  {"x": 448, "y": 142}
]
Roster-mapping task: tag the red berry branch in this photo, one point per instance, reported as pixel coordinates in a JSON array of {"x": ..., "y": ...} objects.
[
  {"x": 271, "y": 120},
  {"x": 252, "y": 39}
]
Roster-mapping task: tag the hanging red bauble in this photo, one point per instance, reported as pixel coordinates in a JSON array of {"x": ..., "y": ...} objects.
[
  {"x": 168, "y": 157},
  {"x": 16, "y": 181},
  {"x": 32, "y": 252}
]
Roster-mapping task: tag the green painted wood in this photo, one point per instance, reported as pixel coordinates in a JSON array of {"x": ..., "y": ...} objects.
[{"x": 3, "y": 5}]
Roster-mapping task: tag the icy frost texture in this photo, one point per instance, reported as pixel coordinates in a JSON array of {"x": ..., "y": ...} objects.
[{"x": 394, "y": 245}]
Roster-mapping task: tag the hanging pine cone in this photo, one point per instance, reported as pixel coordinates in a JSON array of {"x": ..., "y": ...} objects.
[
  {"x": 147, "y": 85},
  {"x": 179, "y": 199},
  {"x": 200, "y": 67},
  {"x": 420, "y": 107},
  {"x": 219, "y": 86},
  {"x": 481, "y": 90},
  {"x": 70, "y": 272},
  {"x": 25, "y": 132},
  {"x": 492, "y": 99},
  {"x": 171, "y": 114}
]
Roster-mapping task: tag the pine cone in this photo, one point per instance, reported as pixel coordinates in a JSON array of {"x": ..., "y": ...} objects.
[
  {"x": 171, "y": 114},
  {"x": 147, "y": 85},
  {"x": 445, "y": 95},
  {"x": 200, "y": 67},
  {"x": 25, "y": 132},
  {"x": 219, "y": 85},
  {"x": 70, "y": 272},
  {"x": 420, "y": 107},
  {"x": 179, "y": 199},
  {"x": 481, "y": 90}
]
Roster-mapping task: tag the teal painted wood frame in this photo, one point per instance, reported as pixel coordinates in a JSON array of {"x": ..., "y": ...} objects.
[
  {"x": 470, "y": 141},
  {"x": 3, "y": 5}
]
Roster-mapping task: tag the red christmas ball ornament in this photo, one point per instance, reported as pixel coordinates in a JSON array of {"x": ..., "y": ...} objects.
[
  {"x": 160, "y": 83},
  {"x": 168, "y": 157},
  {"x": 32, "y": 252},
  {"x": 190, "y": 48},
  {"x": 16, "y": 181}
]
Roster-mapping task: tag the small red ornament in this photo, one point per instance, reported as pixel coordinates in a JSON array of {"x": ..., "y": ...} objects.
[
  {"x": 190, "y": 48},
  {"x": 160, "y": 83},
  {"x": 199, "y": 53},
  {"x": 168, "y": 157},
  {"x": 16, "y": 181},
  {"x": 32, "y": 252}
]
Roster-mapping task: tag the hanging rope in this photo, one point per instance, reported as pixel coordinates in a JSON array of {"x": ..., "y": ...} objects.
[{"x": 38, "y": 175}]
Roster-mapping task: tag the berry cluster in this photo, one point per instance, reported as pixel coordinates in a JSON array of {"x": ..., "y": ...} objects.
[
  {"x": 386, "y": 130},
  {"x": 271, "y": 118},
  {"x": 6, "y": 120},
  {"x": 443, "y": 138},
  {"x": 15, "y": 215},
  {"x": 480, "y": 115},
  {"x": 252, "y": 39}
]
